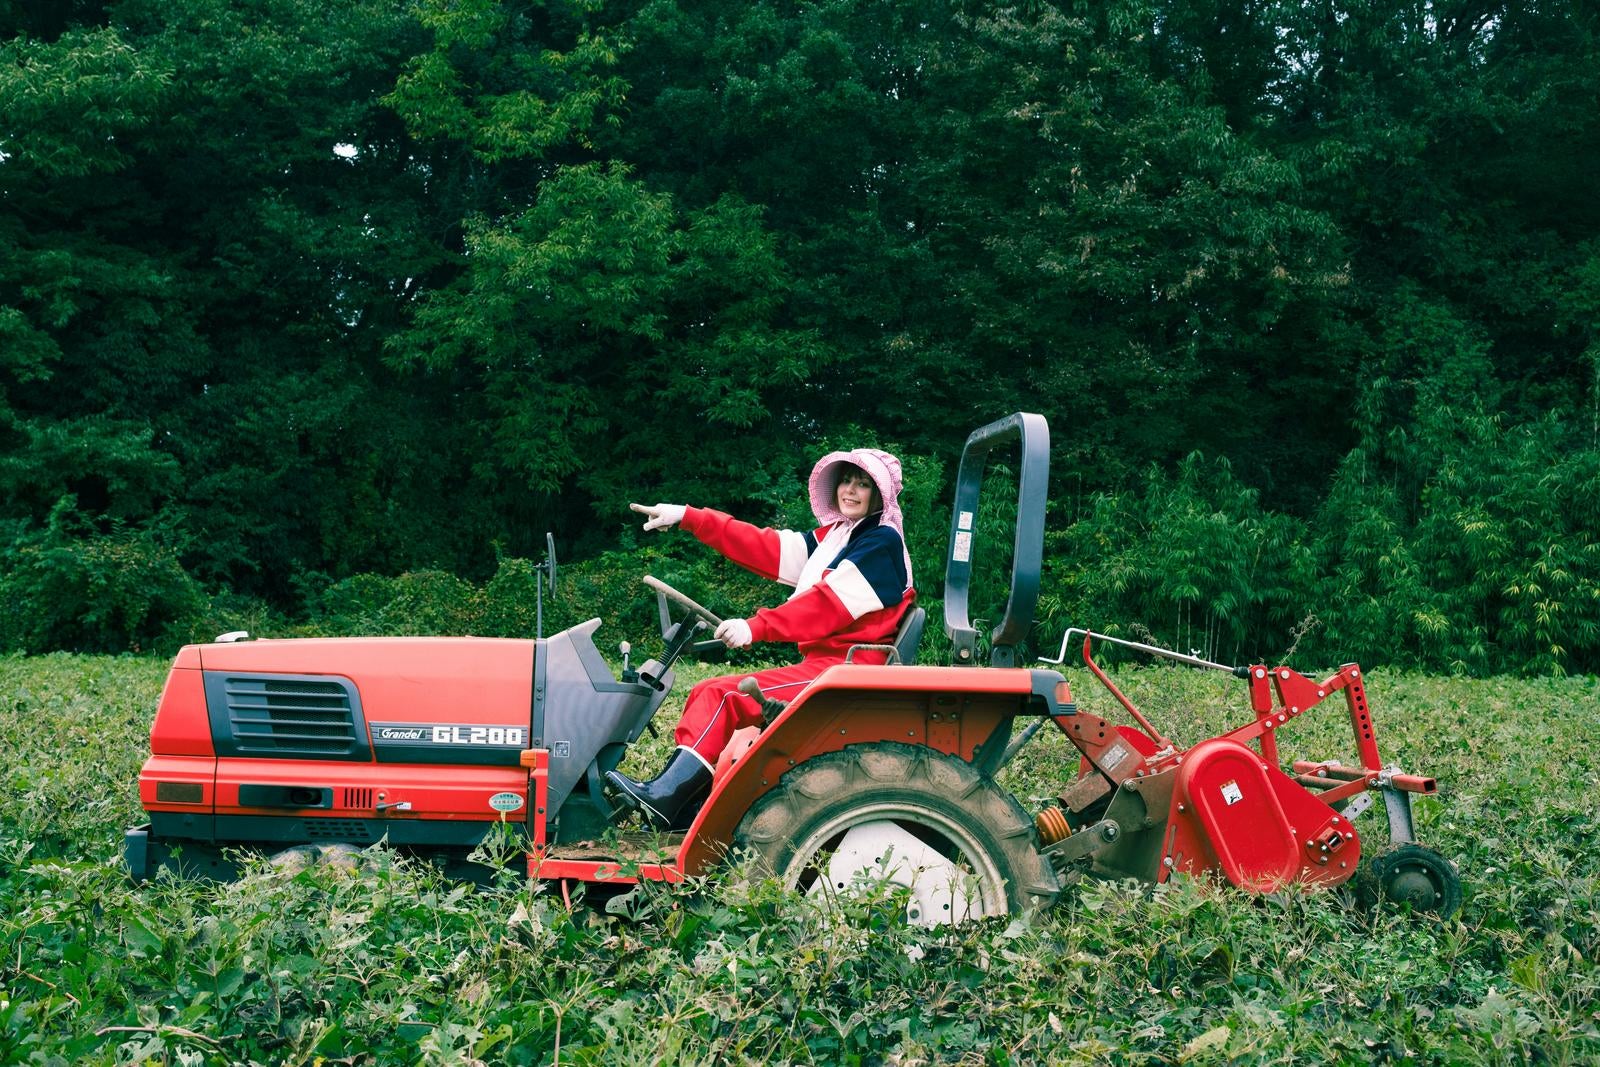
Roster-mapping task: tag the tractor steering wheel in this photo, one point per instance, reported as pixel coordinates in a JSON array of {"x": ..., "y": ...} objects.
[
  {"x": 665, "y": 590},
  {"x": 680, "y": 635}
]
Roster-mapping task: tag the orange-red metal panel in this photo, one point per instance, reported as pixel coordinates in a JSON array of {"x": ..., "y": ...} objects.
[
  {"x": 539, "y": 788},
  {"x": 741, "y": 743},
  {"x": 1329, "y": 849},
  {"x": 188, "y": 770},
  {"x": 855, "y": 704},
  {"x": 600, "y": 871},
  {"x": 404, "y": 679},
  {"x": 1135, "y": 741},
  {"x": 181, "y": 727},
  {"x": 1223, "y": 796},
  {"x": 900, "y": 679},
  {"x": 441, "y": 792},
  {"x": 1234, "y": 813}
]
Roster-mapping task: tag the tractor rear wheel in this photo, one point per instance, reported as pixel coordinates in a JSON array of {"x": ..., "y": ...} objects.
[{"x": 906, "y": 815}]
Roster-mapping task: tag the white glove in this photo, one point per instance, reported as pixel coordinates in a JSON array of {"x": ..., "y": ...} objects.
[
  {"x": 735, "y": 633},
  {"x": 661, "y": 515}
]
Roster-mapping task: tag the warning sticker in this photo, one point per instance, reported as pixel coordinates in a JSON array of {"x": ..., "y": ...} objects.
[
  {"x": 1231, "y": 793},
  {"x": 1114, "y": 757},
  {"x": 965, "y": 521},
  {"x": 962, "y": 552}
]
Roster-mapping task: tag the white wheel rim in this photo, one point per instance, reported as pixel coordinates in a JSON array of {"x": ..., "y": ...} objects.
[{"x": 875, "y": 844}]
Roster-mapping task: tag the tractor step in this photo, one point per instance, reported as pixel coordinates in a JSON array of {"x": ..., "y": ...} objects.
[{"x": 633, "y": 846}]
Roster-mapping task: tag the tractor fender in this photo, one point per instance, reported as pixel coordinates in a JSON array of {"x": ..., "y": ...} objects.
[{"x": 961, "y": 711}]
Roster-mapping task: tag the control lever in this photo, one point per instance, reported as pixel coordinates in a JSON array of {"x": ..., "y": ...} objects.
[
  {"x": 629, "y": 675},
  {"x": 680, "y": 637},
  {"x": 770, "y": 709}
]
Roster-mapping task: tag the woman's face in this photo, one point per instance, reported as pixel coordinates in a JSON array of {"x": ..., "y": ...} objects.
[{"x": 856, "y": 496}]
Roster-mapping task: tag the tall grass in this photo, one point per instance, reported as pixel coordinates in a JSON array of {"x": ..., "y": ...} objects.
[{"x": 393, "y": 963}]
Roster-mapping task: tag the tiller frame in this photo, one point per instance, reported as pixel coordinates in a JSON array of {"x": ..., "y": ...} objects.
[{"x": 1146, "y": 809}]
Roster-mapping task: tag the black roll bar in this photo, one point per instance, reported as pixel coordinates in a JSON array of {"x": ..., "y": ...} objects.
[{"x": 1032, "y": 491}]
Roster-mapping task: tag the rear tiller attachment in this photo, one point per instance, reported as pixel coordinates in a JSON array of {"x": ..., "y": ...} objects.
[{"x": 1144, "y": 808}]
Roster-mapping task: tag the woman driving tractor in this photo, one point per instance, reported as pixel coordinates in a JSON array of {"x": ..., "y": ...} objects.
[{"x": 852, "y": 586}]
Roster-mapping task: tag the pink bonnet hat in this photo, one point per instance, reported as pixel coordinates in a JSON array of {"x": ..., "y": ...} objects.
[{"x": 881, "y": 467}]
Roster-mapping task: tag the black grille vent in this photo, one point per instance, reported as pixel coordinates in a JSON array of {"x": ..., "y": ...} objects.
[
  {"x": 357, "y": 798},
  {"x": 339, "y": 830},
  {"x": 301, "y": 717}
]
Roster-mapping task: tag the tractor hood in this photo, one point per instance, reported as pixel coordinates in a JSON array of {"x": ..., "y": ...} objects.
[{"x": 399, "y": 679}]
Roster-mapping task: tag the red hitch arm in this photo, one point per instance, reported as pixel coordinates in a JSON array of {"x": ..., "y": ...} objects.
[{"x": 1149, "y": 727}]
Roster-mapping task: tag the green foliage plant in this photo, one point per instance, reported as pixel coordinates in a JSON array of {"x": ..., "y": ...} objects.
[
  {"x": 1192, "y": 558},
  {"x": 71, "y": 586},
  {"x": 387, "y": 961}
]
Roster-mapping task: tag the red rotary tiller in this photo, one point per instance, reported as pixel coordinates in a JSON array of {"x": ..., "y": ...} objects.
[{"x": 1144, "y": 808}]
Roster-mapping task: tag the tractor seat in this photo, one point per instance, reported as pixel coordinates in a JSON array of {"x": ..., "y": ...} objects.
[
  {"x": 910, "y": 634},
  {"x": 904, "y": 647}
]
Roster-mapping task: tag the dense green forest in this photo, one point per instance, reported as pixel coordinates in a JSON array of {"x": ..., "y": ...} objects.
[{"x": 321, "y": 312}]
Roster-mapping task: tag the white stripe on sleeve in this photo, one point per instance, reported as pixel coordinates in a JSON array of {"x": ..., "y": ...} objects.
[
  {"x": 853, "y": 589},
  {"x": 791, "y": 556}
]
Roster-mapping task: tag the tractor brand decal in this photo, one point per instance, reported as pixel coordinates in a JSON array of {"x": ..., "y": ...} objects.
[
  {"x": 398, "y": 733},
  {"x": 506, "y": 801},
  {"x": 470, "y": 735},
  {"x": 479, "y": 735},
  {"x": 1231, "y": 793}
]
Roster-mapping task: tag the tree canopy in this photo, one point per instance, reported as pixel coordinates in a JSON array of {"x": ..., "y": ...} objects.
[{"x": 294, "y": 290}]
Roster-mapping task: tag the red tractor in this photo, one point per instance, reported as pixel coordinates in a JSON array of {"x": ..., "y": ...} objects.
[{"x": 878, "y": 771}]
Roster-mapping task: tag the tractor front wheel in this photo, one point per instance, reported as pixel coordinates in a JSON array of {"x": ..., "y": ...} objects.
[
  {"x": 910, "y": 816},
  {"x": 1411, "y": 874}
]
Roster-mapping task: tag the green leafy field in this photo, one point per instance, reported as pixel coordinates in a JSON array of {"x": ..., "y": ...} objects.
[{"x": 392, "y": 963}]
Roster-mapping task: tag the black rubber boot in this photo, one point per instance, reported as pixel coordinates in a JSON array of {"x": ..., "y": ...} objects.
[{"x": 669, "y": 800}]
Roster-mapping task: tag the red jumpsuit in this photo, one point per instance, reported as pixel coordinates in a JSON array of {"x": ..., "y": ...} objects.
[{"x": 863, "y": 592}]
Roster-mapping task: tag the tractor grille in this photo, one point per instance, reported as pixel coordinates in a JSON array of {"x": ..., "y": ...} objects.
[
  {"x": 357, "y": 798},
  {"x": 339, "y": 830},
  {"x": 300, "y": 717}
]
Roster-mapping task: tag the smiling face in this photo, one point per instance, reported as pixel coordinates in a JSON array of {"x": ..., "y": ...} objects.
[{"x": 856, "y": 496}]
